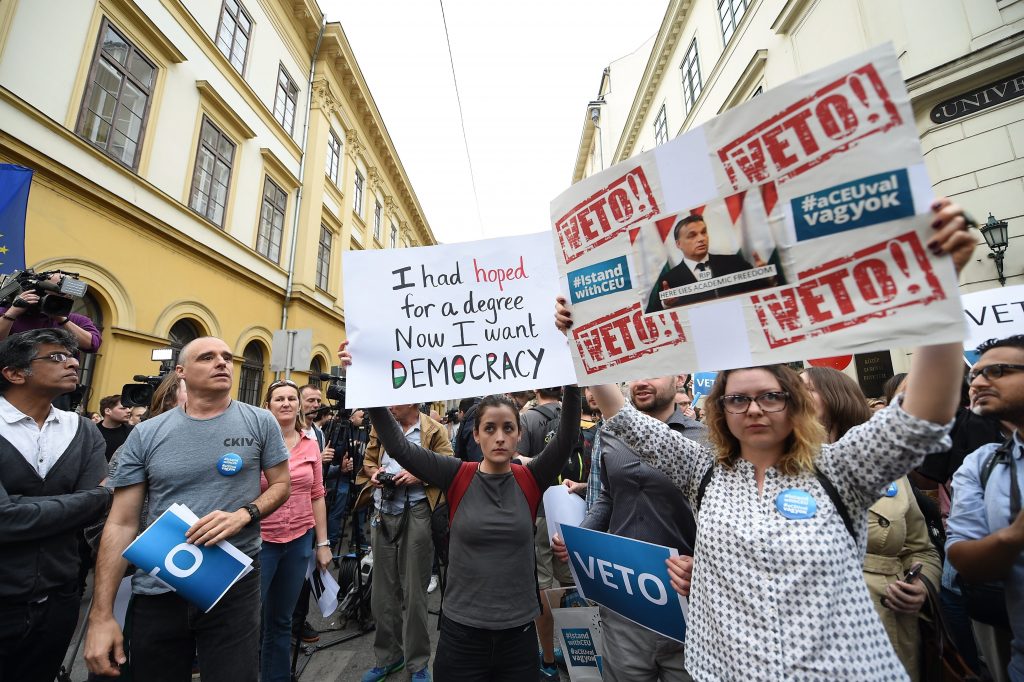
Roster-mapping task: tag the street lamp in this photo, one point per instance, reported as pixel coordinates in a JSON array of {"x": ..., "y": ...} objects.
[{"x": 995, "y": 235}]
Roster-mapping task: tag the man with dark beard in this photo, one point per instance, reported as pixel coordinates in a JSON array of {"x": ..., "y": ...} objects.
[{"x": 637, "y": 501}]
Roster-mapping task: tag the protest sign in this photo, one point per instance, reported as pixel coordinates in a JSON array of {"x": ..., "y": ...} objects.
[
  {"x": 453, "y": 320},
  {"x": 578, "y": 633},
  {"x": 627, "y": 576},
  {"x": 790, "y": 227},
  {"x": 992, "y": 314},
  {"x": 200, "y": 574},
  {"x": 562, "y": 507},
  {"x": 323, "y": 586},
  {"x": 702, "y": 383}
]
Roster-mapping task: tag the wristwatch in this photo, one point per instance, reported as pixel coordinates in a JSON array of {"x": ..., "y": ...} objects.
[
  {"x": 254, "y": 513},
  {"x": 325, "y": 543}
]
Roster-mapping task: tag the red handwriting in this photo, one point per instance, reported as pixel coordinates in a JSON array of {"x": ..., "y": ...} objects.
[
  {"x": 811, "y": 130},
  {"x": 605, "y": 214},
  {"x": 625, "y": 335},
  {"x": 872, "y": 283}
]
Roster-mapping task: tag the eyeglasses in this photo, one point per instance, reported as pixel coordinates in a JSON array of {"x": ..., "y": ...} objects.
[
  {"x": 993, "y": 371},
  {"x": 773, "y": 401},
  {"x": 57, "y": 357}
]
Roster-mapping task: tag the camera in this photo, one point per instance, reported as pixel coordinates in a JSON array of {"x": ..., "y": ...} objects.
[
  {"x": 55, "y": 298},
  {"x": 387, "y": 482},
  {"x": 141, "y": 394}
]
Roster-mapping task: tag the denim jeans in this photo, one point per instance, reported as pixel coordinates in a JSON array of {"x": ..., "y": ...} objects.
[
  {"x": 283, "y": 566},
  {"x": 467, "y": 654},
  {"x": 34, "y": 637},
  {"x": 167, "y": 632}
]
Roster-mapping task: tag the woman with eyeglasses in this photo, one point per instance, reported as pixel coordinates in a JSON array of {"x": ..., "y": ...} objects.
[
  {"x": 288, "y": 533},
  {"x": 777, "y": 590}
]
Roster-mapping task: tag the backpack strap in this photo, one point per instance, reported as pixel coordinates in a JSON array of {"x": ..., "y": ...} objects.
[
  {"x": 550, "y": 416},
  {"x": 528, "y": 484},
  {"x": 837, "y": 501},
  {"x": 458, "y": 487},
  {"x": 703, "y": 487}
]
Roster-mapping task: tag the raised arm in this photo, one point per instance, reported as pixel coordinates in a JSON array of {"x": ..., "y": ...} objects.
[
  {"x": 549, "y": 462},
  {"x": 430, "y": 467}
]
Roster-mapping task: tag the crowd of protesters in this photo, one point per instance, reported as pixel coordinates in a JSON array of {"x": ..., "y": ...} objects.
[{"x": 908, "y": 556}]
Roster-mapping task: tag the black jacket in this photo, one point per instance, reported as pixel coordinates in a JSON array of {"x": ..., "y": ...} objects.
[
  {"x": 40, "y": 517},
  {"x": 721, "y": 265}
]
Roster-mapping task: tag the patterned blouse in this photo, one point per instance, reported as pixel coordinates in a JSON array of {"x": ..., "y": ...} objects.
[{"x": 775, "y": 598}]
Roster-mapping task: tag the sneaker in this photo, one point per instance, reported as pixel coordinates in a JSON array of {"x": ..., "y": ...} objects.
[
  {"x": 433, "y": 584},
  {"x": 420, "y": 676},
  {"x": 548, "y": 672},
  {"x": 378, "y": 673},
  {"x": 308, "y": 634}
]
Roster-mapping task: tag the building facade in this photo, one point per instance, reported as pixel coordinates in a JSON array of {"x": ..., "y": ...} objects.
[
  {"x": 963, "y": 61},
  {"x": 203, "y": 166}
]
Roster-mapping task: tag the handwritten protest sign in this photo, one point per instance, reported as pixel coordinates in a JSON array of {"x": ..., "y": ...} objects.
[
  {"x": 787, "y": 228},
  {"x": 200, "y": 574},
  {"x": 627, "y": 576},
  {"x": 450, "y": 321},
  {"x": 992, "y": 314}
]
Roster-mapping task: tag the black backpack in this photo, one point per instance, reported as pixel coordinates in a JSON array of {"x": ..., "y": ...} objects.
[
  {"x": 575, "y": 466},
  {"x": 466, "y": 447}
]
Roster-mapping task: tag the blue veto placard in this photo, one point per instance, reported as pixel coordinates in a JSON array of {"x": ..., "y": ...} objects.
[
  {"x": 201, "y": 575},
  {"x": 702, "y": 383},
  {"x": 628, "y": 577}
]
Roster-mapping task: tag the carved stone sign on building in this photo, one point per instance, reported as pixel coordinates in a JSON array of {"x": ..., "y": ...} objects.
[
  {"x": 979, "y": 99},
  {"x": 873, "y": 370}
]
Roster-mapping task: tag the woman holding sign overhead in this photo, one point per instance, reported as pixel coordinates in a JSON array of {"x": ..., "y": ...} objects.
[
  {"x": 288, "y": 533},
  {"x": 487, "y": 630},
  {"x": 777, "y": 584}
]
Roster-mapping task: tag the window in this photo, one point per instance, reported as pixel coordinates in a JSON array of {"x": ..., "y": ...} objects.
[
  {"x": 212, "y": 174},
  {"x": 691, "y": 77},
  {"x": 333, "y": 156},
  {"x": 357, "y": 195},
  {"x": 275, "y": 201},
  {"x": 323, "y": 258},
  {"x": 376, "y": 220},
  {"x": 250, "y": 383},
  {"x": 394, "y": 236},
  {"x": 116, "y": 102},
  {"x": 661, "y": 127},
  {"x": 181, "y": 332},
  {"x": 233, "y": 33},
  {"x": 284, "y": 102},
  {"x": 729, "y": 13},
  {"x": 316, "y": 368}
]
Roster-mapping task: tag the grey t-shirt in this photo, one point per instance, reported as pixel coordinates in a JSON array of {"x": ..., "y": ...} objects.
[{"x": 177, "y": 456}]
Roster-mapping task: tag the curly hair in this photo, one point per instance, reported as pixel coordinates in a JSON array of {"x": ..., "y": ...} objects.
[{"x": 802, "y": 444}]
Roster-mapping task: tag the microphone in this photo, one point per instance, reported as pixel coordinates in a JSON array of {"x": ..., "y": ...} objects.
[{"x": 323, "y": 377}]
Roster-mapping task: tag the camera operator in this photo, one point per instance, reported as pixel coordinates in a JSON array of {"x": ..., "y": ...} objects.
[
  {"x": 402, "y": 547},
  {"x": 25, "y": 313},
  {"x": 51, "y": 467}
]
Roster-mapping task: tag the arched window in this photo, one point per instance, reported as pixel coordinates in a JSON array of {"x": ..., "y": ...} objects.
[
  {"x": 316, "y": 367},
  {"x": 182, "y": 332},
  {"x": 250, "y": 383}
]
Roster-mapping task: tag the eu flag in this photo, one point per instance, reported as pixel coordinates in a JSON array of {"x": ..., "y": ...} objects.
[{"x": 15, "y": 182}]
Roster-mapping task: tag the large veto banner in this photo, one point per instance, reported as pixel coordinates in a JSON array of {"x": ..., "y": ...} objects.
[
  {"x": 992, "y": 314},
  {"x": 627, "y": 576},
  {"x": 455, "y": 320},
  {"x": 792, "y": 226}
]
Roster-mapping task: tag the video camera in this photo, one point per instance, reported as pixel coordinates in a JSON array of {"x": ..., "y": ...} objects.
[
  {"x": 335, "y": 392},
  {"x": 141, "y": 394},
  {"x": 55, "y": 298}
]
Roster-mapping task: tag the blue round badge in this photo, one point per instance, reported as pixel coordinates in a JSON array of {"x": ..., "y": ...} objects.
[
  {"x": 892, "y": 490},
  {"x": 796, "y": 504},
  {"x": 229, "y": 465}
]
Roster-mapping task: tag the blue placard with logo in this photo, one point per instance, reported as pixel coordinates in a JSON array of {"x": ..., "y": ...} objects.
[
  {"x": 600, "y": 279},
  {"x": 200, "y": 575},
  {"x": 862, "y": 202},
  {"x": 627, "y": 576},
  {"x": 581, "y": 651},
  {"x": 702, "y": 383}
]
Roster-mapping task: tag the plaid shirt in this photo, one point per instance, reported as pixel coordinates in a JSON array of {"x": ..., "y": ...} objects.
[{"x": 594, "y": 479}]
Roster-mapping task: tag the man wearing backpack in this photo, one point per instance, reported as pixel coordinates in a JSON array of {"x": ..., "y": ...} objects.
[
  {"x": 985, "y": 538},
  {"x": 637, "y": 501}
]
